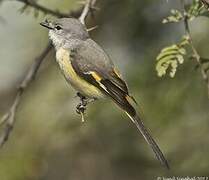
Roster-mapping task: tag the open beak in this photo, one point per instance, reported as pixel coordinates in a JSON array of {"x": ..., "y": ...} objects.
[{"x": 46, "y": 24}]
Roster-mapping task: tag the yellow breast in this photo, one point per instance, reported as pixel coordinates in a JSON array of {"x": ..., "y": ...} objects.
[{"x": 63, "y": 59}]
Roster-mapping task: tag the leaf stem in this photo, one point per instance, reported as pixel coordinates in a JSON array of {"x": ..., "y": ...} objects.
[{"x": 195, "y": 53}]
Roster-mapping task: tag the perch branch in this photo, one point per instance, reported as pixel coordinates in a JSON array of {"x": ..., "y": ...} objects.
[
  {"x": 196, "y": 55},
  {"x": 89, "y": 6},
  {"x": 9, "y": 118}
]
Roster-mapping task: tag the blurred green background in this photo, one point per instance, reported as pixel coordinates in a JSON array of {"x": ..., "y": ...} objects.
[{"x": 49, "y": 142}]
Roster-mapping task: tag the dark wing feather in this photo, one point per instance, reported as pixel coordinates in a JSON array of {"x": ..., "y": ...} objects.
[
  {"x": 90, "y": 57},
  {"x": 118, "y": 81},
  {"x": 119, "y": 96}
]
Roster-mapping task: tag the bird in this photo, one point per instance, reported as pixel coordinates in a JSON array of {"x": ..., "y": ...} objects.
[{"x": 92, "y": 73}]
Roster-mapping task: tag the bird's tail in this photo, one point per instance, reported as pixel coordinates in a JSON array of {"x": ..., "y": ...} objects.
[
  {"x": 140, "y": 125},
  {"x": 123, "y": 100}
]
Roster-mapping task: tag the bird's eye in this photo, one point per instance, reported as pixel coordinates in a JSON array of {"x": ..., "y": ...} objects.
[{"x": 58, "y": 27}]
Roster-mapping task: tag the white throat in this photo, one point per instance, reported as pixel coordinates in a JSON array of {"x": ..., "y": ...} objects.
[{"x": 57, "y": 40}]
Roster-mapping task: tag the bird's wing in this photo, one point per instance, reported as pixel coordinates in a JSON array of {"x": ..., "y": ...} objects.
[
  {"x": 92, "y": 64},
  {"x": 89, "y": 60}
]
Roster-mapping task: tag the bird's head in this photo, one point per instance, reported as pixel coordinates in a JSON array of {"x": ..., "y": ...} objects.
[{"x": 65, "y": 29}]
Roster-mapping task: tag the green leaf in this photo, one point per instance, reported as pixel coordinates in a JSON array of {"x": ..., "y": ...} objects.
[
  {"x": 175, "y": 16},
  {"x": 170, "y": 57},
  {"x": 195, "y": 9}
]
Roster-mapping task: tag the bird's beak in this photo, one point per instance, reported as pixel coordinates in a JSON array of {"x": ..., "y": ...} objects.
[{"x": 47, "y": 24}]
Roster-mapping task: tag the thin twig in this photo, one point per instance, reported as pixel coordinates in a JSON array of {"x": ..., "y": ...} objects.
[
  {"x": 92, "y": 28},
  {"x": 196, "y": 55},
  {"x": 9, "y": 118},
  {"x": 205, "y": 3},
  {"x": 43, "y": 9},
  {"x": 89, "y": 5}
]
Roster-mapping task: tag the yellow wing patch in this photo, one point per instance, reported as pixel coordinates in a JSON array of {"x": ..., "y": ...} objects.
[
  {"x": 128, "y": 98},
  {"x": 95, "y": 76},
  {"x": 117, "y": 72},
  {"x": 131, "y": 99}
]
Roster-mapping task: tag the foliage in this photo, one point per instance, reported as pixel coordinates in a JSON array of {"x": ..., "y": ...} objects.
[
  {"x": 175, "y": 16},
  {"x": 171, "y": 56}
]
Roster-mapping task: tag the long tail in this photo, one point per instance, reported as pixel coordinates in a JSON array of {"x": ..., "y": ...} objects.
[
  {"x": 121, "y": 98},
  {"x": 158, "y": 153}
]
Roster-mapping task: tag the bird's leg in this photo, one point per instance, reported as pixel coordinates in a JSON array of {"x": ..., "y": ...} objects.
[{"x": 81, "y": 107}]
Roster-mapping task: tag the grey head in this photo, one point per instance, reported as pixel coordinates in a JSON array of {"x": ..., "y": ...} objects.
[{"x": 65, "y": 30}]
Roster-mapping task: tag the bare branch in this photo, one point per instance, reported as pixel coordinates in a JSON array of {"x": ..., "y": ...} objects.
[
  {"x": 43, "y": 9},
  {"x": 89, "y": 5},
  {"x": 92, "y": 28},
  {"x": 8, "y": 120},
  {"x": 196, "y": 55},
  {"x": 205, "y": 3}
]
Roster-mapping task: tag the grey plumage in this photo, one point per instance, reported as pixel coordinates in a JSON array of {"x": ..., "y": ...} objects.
[{"x": 90, "y": 57}]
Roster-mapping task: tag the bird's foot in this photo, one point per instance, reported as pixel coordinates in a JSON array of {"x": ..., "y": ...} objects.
[
  {"x": 82, "y": 106},
  {"x": 80, "y": 109}
]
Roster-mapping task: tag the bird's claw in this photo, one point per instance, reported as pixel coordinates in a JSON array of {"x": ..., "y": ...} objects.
[{"x": 81, "y": 107}]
